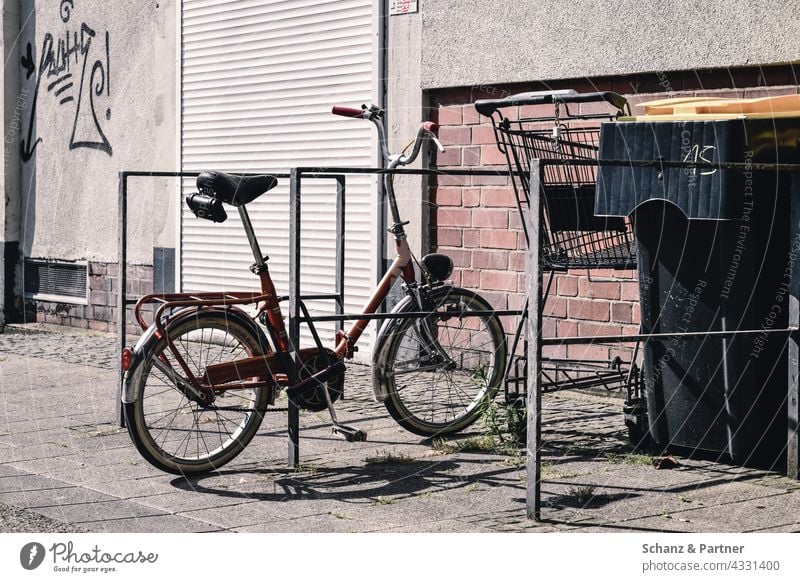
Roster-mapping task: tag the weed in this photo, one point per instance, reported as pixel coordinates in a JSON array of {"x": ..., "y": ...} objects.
[
  {"x": 481, "y": 443},
  {"x": 338, "y": 515},
  {"x": 582, "y": 494},
  {"x": 386, "y": 458},
  {"x": 381, "y": 500},
  {"x": 472, "y": 488}
]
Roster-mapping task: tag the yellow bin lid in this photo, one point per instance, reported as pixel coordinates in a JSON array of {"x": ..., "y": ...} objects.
[{"x": 699, "y": 108}]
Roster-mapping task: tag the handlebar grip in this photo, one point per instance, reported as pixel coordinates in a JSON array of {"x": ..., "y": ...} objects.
[
  {"x": 431, "y": 127},
  {"x": 347, "y": 111}
]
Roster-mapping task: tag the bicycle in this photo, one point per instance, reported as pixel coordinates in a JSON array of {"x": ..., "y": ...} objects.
[{"x": 201, "y": 377}]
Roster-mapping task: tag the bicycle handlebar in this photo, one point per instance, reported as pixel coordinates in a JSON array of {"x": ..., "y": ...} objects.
[
  {"x": 347, "y": 111},
  {"x": 374, "y": 114}
]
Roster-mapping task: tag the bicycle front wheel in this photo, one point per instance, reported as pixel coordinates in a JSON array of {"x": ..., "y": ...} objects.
[
  {"x": 174, "y": 432},
  {"x": 437, "y": 371}
]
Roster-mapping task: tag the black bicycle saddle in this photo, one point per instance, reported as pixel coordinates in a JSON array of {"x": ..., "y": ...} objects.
[{"x": 235, "y": 189}]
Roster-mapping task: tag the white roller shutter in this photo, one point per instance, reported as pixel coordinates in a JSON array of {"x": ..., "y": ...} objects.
[{"x": 259, "y": 78}]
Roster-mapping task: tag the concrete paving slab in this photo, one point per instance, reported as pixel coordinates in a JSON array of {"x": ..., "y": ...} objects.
[{"x": 66, "y": 458}]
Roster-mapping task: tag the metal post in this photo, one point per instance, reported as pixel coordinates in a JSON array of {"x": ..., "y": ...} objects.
[
  {"x": 534, "y": 353},
  {"x": 340, "y": 213},
  {"x": 793, "y": 396},
  {"x": 122, "y": 284},
  {"x": 294, "y": 309}
]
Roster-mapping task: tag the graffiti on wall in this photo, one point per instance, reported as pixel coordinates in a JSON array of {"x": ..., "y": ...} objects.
[{"x": 73, "y": 69}]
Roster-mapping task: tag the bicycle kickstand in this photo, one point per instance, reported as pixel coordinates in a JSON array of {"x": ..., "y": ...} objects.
[{"x": 351, "y": 434}]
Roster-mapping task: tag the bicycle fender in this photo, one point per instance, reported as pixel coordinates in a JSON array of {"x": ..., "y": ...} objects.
[
  {"x": 149, "y": 339},
  {"x": 379, "y": 384}
]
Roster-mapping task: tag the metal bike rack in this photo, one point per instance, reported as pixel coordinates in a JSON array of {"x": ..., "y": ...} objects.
[
  {"x": 296, "y": 312},
  {"x": 536, "y": 341}
]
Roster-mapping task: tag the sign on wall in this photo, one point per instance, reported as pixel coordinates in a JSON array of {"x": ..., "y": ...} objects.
[{"x": 403, "y": 7}]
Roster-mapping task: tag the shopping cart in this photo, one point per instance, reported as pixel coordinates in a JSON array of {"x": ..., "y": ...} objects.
[{"x": 566, "y": 126}]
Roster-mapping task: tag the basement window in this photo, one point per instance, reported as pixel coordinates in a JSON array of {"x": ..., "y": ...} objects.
[{"x": 56, "y": 281}]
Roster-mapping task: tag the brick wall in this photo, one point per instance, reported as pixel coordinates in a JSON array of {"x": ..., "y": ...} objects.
[
  {"x": 475, "y": 220},
  {"x": 101, "y": 312}
]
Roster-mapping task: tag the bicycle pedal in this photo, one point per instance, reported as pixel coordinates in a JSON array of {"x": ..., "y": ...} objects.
[{"x": 350, "y": 434}]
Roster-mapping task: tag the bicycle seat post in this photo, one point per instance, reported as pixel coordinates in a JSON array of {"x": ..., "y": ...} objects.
[{"x": 261, "y": 260}]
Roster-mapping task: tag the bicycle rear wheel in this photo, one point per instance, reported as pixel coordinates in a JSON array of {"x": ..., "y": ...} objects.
[
  {"x": 173, "y": 432},
  {"x": 438, "y": 370}
]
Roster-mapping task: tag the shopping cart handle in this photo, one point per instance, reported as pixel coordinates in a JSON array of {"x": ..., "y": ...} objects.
[{"x": 488, "y": 106}]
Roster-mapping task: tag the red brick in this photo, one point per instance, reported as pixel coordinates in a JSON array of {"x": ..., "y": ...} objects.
[
  {"x": 454, "y": 135},
  {"x": 472, "y": 238},
  {"x": 516, "y": 300},
  {"x": 99, "y": 325},
  {"x": 598, "y": 289},
  {"x": 453, "y": 217},
  {"x": 461, "y": 259},
  {"x": 449, "y": 237},
  {"x": 498, "y": 239},
  {"x": 555, "y": 307},
  {"x": 621, "y": 312},
  {"x": 445, "y": 180},
  {"x": 588, "y": 352},
  {"x": 451, "y": 156},
  {"x": 497, "y": 299},
  {"x": 594, "y": 310},
  {"x": 498, "y": 280},
  {"x": 598, "y": 329},
  {"x": 490, "y": 180},
  {"x": 450, "y": 115},
  {"x": 629, "y": 291},
  {"x": 548, "y": 327},
  {"x": 491, "y": 156},
  {"x": 471, "y": 197},
  {"x": 470, "y": 279},
  {"x": 448, "y": 196},
  {"x": 567, "y": 328},
  {"x": 514, "y": 220},
  {"x": 503, "y": 197},
  {"x": 483, "y": 134},
  {"x": 470, "y": 115},
  {"x": 471, "y": 156},
  {"x": 536, "y": 110},
  {"x": 490, "y": 259},
  {"x": 516, "y": 261},
  {"x": 484, "y": 218},
  {"x": 567, "y": 286},
  {"x": 103, "y": 298},
  {"x": 636, "y": 314}
]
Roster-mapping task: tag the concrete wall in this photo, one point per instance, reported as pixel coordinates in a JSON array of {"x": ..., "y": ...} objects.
[
  {"x": 474, "y": 42},
  {"x": 14, "y": 103},
  {"x": 405, "y": 108},
  {"x": 102, "y": 88}
]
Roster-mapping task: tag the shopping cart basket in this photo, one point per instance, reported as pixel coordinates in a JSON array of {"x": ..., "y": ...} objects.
[{"x": 566, "y": 126}]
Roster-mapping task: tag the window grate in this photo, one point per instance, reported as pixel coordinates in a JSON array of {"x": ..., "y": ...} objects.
[{"x": 48, "y": 278}]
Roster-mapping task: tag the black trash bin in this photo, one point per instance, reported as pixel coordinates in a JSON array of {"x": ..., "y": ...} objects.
[{"x": 713, "y": 254}]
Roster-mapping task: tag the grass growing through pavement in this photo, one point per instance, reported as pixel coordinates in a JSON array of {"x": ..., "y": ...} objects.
[
  {"x": 387, "y": 458},
  {"x": 582, "y": 494}
]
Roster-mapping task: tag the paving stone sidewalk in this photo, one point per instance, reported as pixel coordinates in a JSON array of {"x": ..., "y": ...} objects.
[{"x": 66, "y": 466}]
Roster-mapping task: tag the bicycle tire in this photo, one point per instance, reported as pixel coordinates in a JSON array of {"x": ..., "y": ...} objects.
[
  {"x": 432, "y": 400},
  {"x": 202, "y": 439}
]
